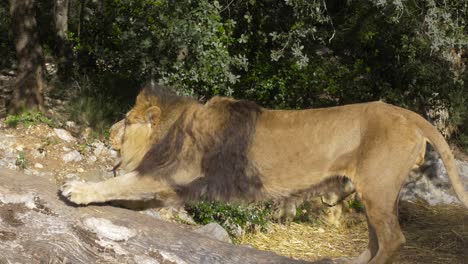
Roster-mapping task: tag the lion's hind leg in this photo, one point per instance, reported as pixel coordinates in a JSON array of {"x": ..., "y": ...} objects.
[
  {"x": 130, "y": 186},
  {"x": 378, "y": 184}
]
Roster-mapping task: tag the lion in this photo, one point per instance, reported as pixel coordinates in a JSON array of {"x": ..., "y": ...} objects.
[{"x": 176, "y": 149}]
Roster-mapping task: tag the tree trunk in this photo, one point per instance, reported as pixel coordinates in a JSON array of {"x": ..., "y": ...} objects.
[
  {"x": 28, "y": 91},
  {"x": 37, "y": 227},
  {"x": 81, "y": 17},
  {"x": 62, "y": 49}
]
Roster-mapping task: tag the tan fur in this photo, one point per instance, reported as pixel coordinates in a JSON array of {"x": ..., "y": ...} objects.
[{"x": 181, "y": 150}]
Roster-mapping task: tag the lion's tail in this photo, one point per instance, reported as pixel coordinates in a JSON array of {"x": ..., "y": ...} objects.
[{"x": 438, "y": 142}]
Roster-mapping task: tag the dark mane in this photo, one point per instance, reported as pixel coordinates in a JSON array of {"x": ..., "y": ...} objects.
[
  {"x": 167, "y": 98},
  {"x": 226, "y": 171}
]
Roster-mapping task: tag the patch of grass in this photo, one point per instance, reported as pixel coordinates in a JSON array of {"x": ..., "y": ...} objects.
[
  {"x": 231, "y": 216},
  {"x": 355, "y": 204},
  {"x": 21, "y": 160},
  {"x": 28, "y": 118}
]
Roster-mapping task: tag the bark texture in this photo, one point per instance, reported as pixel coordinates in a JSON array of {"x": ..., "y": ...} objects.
[
  {"x": 36, "y": 226},
  {"x": 28, "y": 92},
  {"x": 63, "y": 49}
]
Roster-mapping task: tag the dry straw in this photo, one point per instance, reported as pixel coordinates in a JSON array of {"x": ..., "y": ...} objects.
[{"x": 435, "y": 234}]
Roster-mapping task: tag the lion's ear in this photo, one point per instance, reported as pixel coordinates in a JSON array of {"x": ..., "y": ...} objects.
[{"x": 153, "y": 115}]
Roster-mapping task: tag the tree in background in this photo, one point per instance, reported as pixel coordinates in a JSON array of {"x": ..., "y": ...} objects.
[
  {"x": 281, "y": 54},
  {"x": 28, "y": 91},
  {"x": 62, "y": 47}
]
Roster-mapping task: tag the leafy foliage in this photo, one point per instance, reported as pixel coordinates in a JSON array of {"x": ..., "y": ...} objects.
[
  {"x": 22, "y": 161},
  {"x": 28, "y": 118},
  {"x": 355, "y": 204},
  {"x": 292, "y": 54},
  {"x": 282, "y": 54},
  {"x": 230, "y": 216}
]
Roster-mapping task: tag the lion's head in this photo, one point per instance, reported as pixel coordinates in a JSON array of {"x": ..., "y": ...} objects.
[{"x": 156, "y": 108}]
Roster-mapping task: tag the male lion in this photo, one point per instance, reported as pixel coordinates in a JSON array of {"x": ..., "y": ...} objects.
[{"x": 176, "y": 149}]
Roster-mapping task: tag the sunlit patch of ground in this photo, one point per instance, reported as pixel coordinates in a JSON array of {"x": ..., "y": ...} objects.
[{"x": 434, "y": 234}]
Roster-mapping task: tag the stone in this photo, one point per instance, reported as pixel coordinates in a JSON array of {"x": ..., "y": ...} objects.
[
  {"x": 86, "y": 133},
  {"x": 64, "y": 135},
  {"x": 91, "y": 159},
  {"x": 19, "y": 147},
  {"x": 98, "y": 148},
  {"x": 433, "y": 185},
  {"x": 104, "y": 228},
  {"x": 66, "y": 149},
  {"x": 38, "y": 166},
  {"x": 113, "y": 153},
  {"x": 70, "y": 124},
  {"x": 215, "y": 231},
  {"x": 72, "y": 156},
  {"x": 185, "y": 217},
  {"x": 39, "y": 153}
]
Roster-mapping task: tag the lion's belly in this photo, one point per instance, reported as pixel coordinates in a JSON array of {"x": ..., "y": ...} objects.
[{"x": 293, "y": 152}]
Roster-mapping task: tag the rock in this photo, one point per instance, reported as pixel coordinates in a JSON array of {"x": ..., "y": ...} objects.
[
  {"x": 70, "y": 124},
  {"x": 104, "y": 228},
  {"x": 39, "y": 153},
  {"x": 98, "y": 148},
  {"x": 320, "y": 230},
  {"x": 80, "y": 170},
  {"x": 66, "y": 149},
  {"x": 72, "y": 176},
  {"x": 91, "y": 159},
  {"x": 113, "y": 153},
  {"x": 185, "y": 217},
  {"x": 19, "y": 147},
  {"x": 64, "y": 135},
  {"x": 145, "y": 260},
  {"x": 215, "y": 231},
  {"x": 38, "y": 166},
  {"x": 86, "y": 133},
  {"x": 36, "y": 226},
  {"x": 463, "y": 170},
  {"x": 72, "y": 156},
  {"x": 433, "y": 185},
  {"x": 153, "y": 213}
]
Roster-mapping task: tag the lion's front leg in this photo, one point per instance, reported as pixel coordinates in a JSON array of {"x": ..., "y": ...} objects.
[{"x": 130, "y": 186}]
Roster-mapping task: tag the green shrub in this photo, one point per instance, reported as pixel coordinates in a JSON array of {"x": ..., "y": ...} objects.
[
  {"x": 21, "y": 160},
  {"x": 231, "y": 216},
  {"x": 28, "y": 118},
  {"x": 355, "y": 204}
]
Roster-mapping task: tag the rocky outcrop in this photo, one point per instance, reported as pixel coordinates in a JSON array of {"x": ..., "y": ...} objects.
[
  {"x": 432, "y": 184},
  {"x": 36, "y": 226}
]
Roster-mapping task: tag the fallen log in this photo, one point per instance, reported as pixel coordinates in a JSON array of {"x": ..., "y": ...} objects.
[{"x": 36, "y": 226}]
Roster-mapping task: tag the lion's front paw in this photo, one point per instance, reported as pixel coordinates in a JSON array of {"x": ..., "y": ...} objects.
[{"x": 79, "y": 192}]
